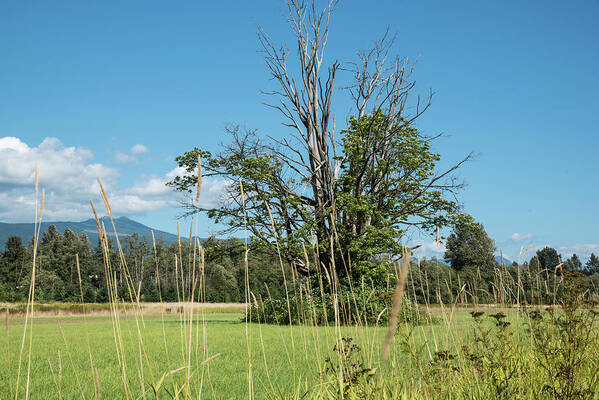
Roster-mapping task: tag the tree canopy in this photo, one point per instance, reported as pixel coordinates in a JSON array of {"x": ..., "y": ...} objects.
[
  {"x": 546, "y": 259},
  {"x": 469, "y": 246},
  {"x": 593, "y": 264}
]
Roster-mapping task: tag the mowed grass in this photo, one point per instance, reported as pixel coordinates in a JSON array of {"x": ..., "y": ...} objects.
[{"x": 284, "y": 360}]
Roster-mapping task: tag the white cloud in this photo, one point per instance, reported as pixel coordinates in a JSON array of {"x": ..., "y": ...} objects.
[
  {"x": 520, "y": 237},
  {"x": 65, "y": 172},
  {"x": 139, "y": 149},
  {"x": 59, "y": 166},
  {"x": 69, "y": 178},
  {"x": 179, "y": 171},
  {"x": 124, "y": 158},
  {"x": 428, "y": 248},
  {"x": 581, "y": 250},
  {"x": 153, "y": 186}
]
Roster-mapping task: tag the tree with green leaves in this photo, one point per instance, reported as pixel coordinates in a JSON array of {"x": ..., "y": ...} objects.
[
  {"x": 14, "y": 264},
  {"x": 546, "y": 259},
  {"x": 470, "y": 252},
  {"x": 592, "y": 264},
  {"x": 352, "y": 194},
  {"x": 469, "y": 245},
  {"x": 573, "y": 264}
]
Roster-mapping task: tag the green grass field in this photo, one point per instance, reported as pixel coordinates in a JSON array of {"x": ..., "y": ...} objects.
[
  {"x": 287, "y": 353},
  {"x": 285, "y": 360},
  {"x": 283, "y": 357}
]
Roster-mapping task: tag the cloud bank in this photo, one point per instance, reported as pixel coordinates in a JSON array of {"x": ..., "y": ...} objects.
[
  {"x": 69, "y": 177},
  {"x": 581, "y": 250}
]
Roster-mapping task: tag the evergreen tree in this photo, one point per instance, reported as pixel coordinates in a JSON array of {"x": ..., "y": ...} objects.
[
  {"x": 469, "y": 245},
  {"x": 15, "y": 261},
  {"x": 548, "y": 258},
  {"x": 573, "y": 264},
  {"x": 592, "y": 264}
]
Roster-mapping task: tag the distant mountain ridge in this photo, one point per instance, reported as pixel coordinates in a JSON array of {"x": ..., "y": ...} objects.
[
  {"x": 506, "y": 261},
  {"x": 124, "y": 226}
]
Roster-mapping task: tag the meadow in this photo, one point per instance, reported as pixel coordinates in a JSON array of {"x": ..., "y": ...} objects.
[
  {"x": 79, "y": 356},
  {"x": 285, "y": 360}
]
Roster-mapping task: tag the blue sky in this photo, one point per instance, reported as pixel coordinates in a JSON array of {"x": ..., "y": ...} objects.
[{"x": 82, "y": 83}]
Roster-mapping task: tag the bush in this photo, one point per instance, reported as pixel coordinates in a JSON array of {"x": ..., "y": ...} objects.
[
  {"x": 564, "y": 342},
  {"x": 319, "y": 310}
]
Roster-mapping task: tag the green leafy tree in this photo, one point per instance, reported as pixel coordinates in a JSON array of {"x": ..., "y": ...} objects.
[
  {"x": 573, "y": 264},
  {"x": 15, "y": 259},
  {"x": 470, "y": 250},
  {"x": 49, "y": 249},
  {"x": 469, "y": 245},
  {"x": 355, "y": 198},
  {"x": 544, "y": 264},
  {"x": 137, "y": 249},
  {"x": 70, "y": 248},
  {"x": 547, "y": 258},
  {"x": 433, "y": 282},
  {"x": 222, "y": 284},
  {"x": 388, "y": 183},
  {"x": 592, "y": 264}
]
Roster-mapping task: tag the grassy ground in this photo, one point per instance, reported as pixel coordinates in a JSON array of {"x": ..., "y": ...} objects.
[
  {"x": 76, "y": 357},
  {"x": 284, "y": 359},
  {"x": 68, "y": 309},
  {"x": 287, "y": 353}
]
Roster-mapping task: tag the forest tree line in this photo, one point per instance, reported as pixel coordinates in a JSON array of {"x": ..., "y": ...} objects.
[
  {"x": 151, "y": 267},
  {"x": 470, "y": 272}
]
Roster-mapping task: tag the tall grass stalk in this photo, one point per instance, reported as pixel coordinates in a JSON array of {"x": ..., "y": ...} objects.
[{"x": 31, "y": 296}]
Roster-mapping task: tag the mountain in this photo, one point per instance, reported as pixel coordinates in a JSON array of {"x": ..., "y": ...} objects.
[
  {"x": 506, "y": 262},
  {"x": 124, "y": 227}
]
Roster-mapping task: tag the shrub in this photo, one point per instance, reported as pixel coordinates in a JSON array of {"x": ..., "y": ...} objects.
[
  {"x": 320, "y": 310},
  {"x": 564, "y": 343},
  {"x": 347, "y": 364}
]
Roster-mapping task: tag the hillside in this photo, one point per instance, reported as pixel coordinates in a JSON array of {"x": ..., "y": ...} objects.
[{"x": 125, "y": 226}]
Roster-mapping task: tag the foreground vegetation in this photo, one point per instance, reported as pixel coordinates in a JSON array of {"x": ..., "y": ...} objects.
[{"x": 487, "y": 353}]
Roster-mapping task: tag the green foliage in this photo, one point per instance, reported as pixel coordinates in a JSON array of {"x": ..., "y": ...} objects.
[
  {"x": 494, "y": 353},
  {"x": 346, "y": 369},
  {"x": 268, "y": 191},
  {"x": 380, "y": 191},
  {"x": 221, "y": 284},
  {"x": 359, "y": 308},
  {"x": 546, "y": 258},
  {"x": 152, "y": 269},
  {"x": 564, "y": 343},
  {"x": 592, "y": 264},
  {"x": 430, "y": 282},
  {"x": 469, "y": 246},
  {"x": 573, "y": 264},
  {"x": 433, "y": 282},
  {"x": 546, "y": 354}
]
